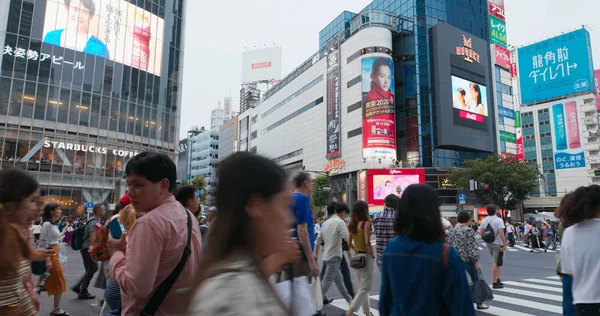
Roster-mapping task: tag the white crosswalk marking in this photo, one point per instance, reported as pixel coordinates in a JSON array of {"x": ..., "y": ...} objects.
[{"x": 527, "y": 297}]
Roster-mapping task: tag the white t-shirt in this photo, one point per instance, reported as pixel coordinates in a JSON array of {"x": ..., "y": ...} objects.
[
  {"x": 580, "y": 255},
  {"x": 497, "y": 224},
  {"x": 36, "y": 229},
  {"x": 446, "y": 224},
  {"x": 510, "y": 229}
]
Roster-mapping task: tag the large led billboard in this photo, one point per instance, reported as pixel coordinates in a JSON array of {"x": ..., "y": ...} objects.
[
  {"x": 112, "y": 29},
  {"x": 261, "y": 65},
  {"x": 383, "y": 182},
  {"x": 461, "y": 72},
  {"x": 378, "y": 121},
  {"x": 556, "y": 67}
]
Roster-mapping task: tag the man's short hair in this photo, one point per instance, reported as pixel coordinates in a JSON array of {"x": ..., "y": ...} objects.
[
  {"x": 463, "y": 217},
  {"x": 391, "y": 201},
  {"x": 331, "y": 208},
  {"x": 97, "y": 207},
  {"x": 184, "y": 194},
  {"x": 154, "y": 167},
  {"x": 341, "y": 207},
  {"x": 300, "y": 178},
  {"x": 491, "y": 209}
]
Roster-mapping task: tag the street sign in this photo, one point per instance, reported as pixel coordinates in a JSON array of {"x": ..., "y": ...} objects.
[
  {"x": 472, "y": 185},
  {"x": 462, "y": 202},
  {"x": 189, "y": 176},
  {"x": 462, "y": 197},
  {"x": 90, "y": 204}
]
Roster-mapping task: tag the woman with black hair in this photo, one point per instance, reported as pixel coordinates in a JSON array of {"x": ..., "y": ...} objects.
[
  {"x": 253, "y": 224},
  {"x": 421, "y": 275},
  {"x": 580, "y": 253},
  {"x": 49, "y": 238}
]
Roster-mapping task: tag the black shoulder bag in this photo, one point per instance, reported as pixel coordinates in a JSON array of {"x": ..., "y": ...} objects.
[{"x": 164, "y": 288}]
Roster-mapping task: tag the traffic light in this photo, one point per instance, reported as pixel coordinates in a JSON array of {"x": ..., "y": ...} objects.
[{"x": 457, "y": 210}]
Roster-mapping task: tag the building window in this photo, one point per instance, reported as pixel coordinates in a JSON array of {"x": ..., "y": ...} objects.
[
  {"x": 296, "y": 113},
  {"x": 355, "y": 106},
  {"x": 253, "y": 135},
  {"x": 293, "y": 96},
  {"x": 355, "y": 132},
  {"x": 353, "y": 81},
  {"x": 254, "y": 118},
  {"x": 289, "y": 155}
]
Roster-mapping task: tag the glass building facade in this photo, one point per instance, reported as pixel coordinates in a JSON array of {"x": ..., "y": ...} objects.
[
  {"x": 205, "y": 156},
  {"x": 411, "y": 52},
  {"x": 84, "y": 86}
]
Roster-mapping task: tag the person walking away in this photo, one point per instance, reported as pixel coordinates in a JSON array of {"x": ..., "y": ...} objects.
[
  {"x": 510, "y": 234},
  {"x": 89, "y": 236},
  {"x": 566, "y": 279},
  {"x": 19, "y": 193},
  {"x": 549, "y": 236},
  {"x": 492, "y": 232},
  {"x": 49, "y": 238},
  {"x": 580, "y": 259},
  {"x": 527, "y": 233},
  {"x": 166, "y": 237},
  {"x": 332, "y": 233},
  {"x": 317, "y": 228},
  {"x": 383, "y": 225},
  {"x": 360, "y": 241},
  {"x": 36, "y": 229},
  {"x": 343, "y": 264},
  {"x": 463, "y": 239},
  {"x": 420, "y": 274},
  {"x": 304, "y": 226},
  {"x": 254, "y": 222}
]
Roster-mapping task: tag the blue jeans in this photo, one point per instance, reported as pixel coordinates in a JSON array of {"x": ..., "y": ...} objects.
[
  {"x": 471, "y": 270},
  {"x": 568, "y": 307}
]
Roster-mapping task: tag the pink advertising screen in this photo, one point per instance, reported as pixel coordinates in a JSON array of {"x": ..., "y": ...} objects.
[
  {"x": 384, "y": 185},
  {"x": 596, "y": 80}
]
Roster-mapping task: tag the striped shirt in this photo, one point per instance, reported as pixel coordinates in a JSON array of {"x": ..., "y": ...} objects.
[
  {"x": 383, "y": 224},
  {"x": 13, "y": 292}
]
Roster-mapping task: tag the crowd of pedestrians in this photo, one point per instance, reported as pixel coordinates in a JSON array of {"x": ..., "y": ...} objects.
[{"x": 166, "y": 259}]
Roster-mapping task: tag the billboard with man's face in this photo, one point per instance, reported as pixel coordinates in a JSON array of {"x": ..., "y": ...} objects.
[{"x": 111, "y": 29}]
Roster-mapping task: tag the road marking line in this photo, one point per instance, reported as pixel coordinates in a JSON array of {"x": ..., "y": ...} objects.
[
  {"x": 524, "y": 248},
  {"x": 493, "y": 310},
  {"x": 511, "y": 249},
  {"x": 528, "y": 303},
  {"x": 556, "y": 277},
  {"x": 557, "y": 283},
  {"x": 342, "y": 304},
  {"x": 530, "y": 293},
  {"x": 533, "y": 286}
]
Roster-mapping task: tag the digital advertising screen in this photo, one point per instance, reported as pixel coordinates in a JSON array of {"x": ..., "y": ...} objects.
[
  {"x": 392, "y": 184},
  {"x": 378, "y": 124},
  {"x": 470, "y": 99},
  {"x": 111, "y": 29}
]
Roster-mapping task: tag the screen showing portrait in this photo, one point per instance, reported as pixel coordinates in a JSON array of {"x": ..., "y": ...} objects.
[
  {"x": 384, "y": 185},
  {"x": 469, "y": 97}
]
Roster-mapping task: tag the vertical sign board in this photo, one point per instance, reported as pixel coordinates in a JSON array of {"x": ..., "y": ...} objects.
[
  {"x": 362, "y": 186},
  {"x": 497, "y": 32},
  {"x": 334, "y": 148},
  {"x": 596, "y": 80},
  {"x": 567, "y": 136},
  {"x": 556, "y": 67},
  {"x": 519, "y": 132},
  {"x": 502, "y": 57},
  {"x": 496, "y": 9},
  {"x": 378, "y": 124}
]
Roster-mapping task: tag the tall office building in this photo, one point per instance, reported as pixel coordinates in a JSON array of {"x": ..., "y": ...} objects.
[
  {"x": 73, "y": 115},
  {"x": 204, "y": 158},
  {"x": 217, "y": 118},
  {"x": 249, "y": 96},
  {"x": 228, "y": 138}
]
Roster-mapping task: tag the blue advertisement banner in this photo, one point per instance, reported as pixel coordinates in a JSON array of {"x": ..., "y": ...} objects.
[
  {"x": 504, "y": 112},
  {"x": 556, "y": 67},
  {"x": 569, "y": 161}
]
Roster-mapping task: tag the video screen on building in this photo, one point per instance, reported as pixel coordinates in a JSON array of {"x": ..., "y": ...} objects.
[
  {"x": 384, "y": 185},
  {"x": 112, "y": 29},
  {"x": 470, "y": 99}
]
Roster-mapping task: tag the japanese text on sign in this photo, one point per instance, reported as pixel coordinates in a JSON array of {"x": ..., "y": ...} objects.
[
  {"x": 552, "y": 65},
  {"x": 112, "y": 25},
  {"x": 569, "y": 161},
  {"x": 30, "y": 54},
  {"x": 377, "y": 107}
]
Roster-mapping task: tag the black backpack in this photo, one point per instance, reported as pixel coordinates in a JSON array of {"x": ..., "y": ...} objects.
[
  {"x": 79, "y": 236},
  {"x": 488, "y": 233}
]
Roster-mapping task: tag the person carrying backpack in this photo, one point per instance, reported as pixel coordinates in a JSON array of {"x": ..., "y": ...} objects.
[
  {"x": 83, "y": 238},
  {"x": 492, "y": 232}
]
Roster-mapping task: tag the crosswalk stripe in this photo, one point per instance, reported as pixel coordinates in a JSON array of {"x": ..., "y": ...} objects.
[
  {"x": 556, "y": 277},
  {"x": 557, "y": 283},
  {"x": 493, "y": 310},
  {"x": 511, "y": 249},
  {"x": 533, "y": 286},
  {"x": 530, "y": 293},
  {"x": 528, "y": 303}
]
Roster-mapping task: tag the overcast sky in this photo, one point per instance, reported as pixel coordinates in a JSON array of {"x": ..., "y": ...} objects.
[{"x": 217, "y": 32}]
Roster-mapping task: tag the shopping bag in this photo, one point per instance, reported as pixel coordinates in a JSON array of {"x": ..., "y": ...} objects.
[
  {"x": 481, "y": 291},
  {"x": 62, "y": 254},
  {"x": 301, "y": 301},
  {"x": 315, "y": 290}
]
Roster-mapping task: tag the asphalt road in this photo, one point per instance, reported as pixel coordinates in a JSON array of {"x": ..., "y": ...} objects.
[{"x": 519, "y": 265}]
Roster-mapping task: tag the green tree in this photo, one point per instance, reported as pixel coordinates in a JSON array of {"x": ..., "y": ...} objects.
[
  {"x": 320, "y": 194},
  {"x": 503, "y": 181}
]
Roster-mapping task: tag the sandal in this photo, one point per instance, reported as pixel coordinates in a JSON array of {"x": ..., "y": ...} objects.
[
  {"x": 58, "y": 312},
  {"x": 482, "y": 306}
]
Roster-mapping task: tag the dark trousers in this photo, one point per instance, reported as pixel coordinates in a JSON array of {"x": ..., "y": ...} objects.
[
  {"x": 588, "y": 309},
  {"x": 90, "y": 269},
  {"x": 345, "y": 274},
  {"x": 511, "y": 239}
]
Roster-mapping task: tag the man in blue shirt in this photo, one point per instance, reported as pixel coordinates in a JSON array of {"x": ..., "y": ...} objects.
[{"x": 305, "y": 230}]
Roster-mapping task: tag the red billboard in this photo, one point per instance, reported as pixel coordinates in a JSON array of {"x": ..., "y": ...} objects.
[
  {"x": 378, "y": 121},
  {"x": 496, "y": 9},
  {"x": 596, "y": 79},
  {"x": 513, "y": 70},
  {"x": 502, "y": 57},
  {"x": 383, "y": 182}
]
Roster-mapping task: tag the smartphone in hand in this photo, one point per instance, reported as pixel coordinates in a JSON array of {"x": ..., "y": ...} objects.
[{"x": 115, "y": 229}]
